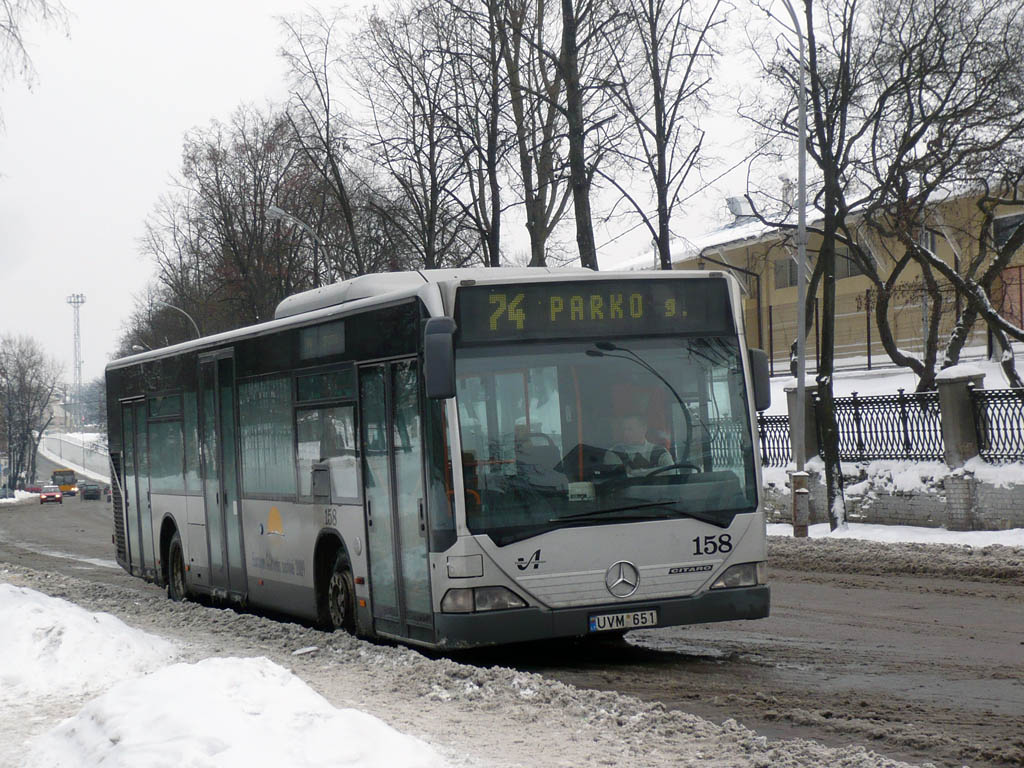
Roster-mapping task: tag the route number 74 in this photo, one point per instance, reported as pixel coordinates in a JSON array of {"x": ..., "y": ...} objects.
[{"x": 516, "y": 314}]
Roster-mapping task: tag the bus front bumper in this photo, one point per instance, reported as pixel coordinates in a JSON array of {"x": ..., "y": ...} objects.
[{"x": 468, "y": 630}]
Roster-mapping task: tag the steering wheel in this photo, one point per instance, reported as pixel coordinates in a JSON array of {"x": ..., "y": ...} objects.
[{"x": 669, "y": 467}]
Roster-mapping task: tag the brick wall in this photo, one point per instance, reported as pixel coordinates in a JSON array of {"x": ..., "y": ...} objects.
[{"x": 961, "y": 503}]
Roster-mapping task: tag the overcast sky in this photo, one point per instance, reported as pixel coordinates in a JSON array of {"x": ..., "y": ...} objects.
[{"x": 86, "y": 153}]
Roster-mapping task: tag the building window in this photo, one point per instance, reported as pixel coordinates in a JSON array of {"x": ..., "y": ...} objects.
[
  {"x": 785, "y": 273},
  {"x": 1004, "y": 227},
  {"x": 846, "y": 266}
]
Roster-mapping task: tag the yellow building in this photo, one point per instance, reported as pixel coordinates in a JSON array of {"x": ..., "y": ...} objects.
[{"x": 763, "y": 258}]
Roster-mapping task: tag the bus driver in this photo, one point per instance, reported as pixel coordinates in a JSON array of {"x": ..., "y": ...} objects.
[{"x": 638, "y": 454}]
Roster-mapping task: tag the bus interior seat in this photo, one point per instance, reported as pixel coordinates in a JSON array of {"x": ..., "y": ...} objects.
[{"x": 537, "y": 456}]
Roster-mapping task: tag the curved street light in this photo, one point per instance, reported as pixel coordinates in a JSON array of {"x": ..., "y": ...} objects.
[
  {"x": 279, "y": 214},
  {"x": 182, "y": 311}
]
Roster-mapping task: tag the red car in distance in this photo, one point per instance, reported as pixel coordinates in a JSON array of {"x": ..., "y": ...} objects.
[{"x": 51, "y": 493}]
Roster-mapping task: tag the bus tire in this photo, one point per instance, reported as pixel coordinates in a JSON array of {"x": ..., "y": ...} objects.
[
  {"x": 176, "y": 570},
  {"x": 340, "y": 597}
]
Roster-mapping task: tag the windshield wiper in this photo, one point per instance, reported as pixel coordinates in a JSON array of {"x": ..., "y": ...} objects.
[
  {"x": 721, "y": 518},
  {"x": 667, "y": 504}
]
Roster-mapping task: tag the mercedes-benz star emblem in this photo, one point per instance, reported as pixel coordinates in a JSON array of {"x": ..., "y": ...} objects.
[{"x": 622, "y": 579}]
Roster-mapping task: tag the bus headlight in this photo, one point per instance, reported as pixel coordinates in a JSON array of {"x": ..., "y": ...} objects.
[
  {"x": 743, "y": 575},
  {"x": 480, "y": 599},
  {"x": 457, "y": 601},
  {"x": 496, "y": 599}
]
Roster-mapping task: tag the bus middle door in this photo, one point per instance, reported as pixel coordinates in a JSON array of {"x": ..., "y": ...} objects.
[
  {"x": 220, "y": 472},
  {"x": 392, "y": 448}
]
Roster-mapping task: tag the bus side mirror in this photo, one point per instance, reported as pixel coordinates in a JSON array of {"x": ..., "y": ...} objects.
[
  {"x": 762, "y": 379},
  {"x": 439, "y": 357}
]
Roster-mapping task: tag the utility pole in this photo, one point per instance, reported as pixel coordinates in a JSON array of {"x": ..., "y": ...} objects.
[{"x": 76, "y": 300}]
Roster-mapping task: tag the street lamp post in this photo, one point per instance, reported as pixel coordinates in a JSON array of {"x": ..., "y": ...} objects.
[
  {"x": 273, "y": 212},
  {"x": 801, "y": 506},
  {"x": 182, "y": 311}
]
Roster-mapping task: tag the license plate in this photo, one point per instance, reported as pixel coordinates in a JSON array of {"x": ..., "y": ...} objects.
[{"x": 603, "y": 622}]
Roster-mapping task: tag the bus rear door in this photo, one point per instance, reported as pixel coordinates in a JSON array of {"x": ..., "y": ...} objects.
[{"x": 137, "y": 511}]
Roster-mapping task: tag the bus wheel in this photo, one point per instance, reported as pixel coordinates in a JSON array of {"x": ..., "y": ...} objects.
[
  {"x": 175, "y": 569},
  {"x": 340, "y": 597}
]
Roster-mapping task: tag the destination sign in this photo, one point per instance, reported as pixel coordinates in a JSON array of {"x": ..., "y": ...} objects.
[{"x": 599, "y": 308}]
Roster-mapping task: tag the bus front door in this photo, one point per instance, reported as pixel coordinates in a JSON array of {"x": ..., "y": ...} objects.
[
  {"x": 220, "y": 473},
  {"x": 392, "y": 442}
]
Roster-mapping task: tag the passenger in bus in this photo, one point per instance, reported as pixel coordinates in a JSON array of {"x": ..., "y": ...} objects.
[{"x": 635, "y": 452}]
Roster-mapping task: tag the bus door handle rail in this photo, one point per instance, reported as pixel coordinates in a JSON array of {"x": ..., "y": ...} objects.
[
  {"x": 369, "y": 514},
  {"x": 422, "y": 516}
]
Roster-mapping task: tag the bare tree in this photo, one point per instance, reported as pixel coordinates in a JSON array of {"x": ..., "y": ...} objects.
[
  {"x": 28, "y": 382},
  {"x": 982, "y": 269},
  {"x": 949, "y": 108},
  {"x": 235, "y": 172},
  {"x": 218, "y": 257},
  {"x": 535, "y": 89},
  {"x": 403, "y": 67},
  {"x": 14, "y": 14},
  {"x": 320, "y": 128},
  {"x": 478, "y": 99},
  {"x": 661, "y": 81},
  {"x": 591, "y": 31}
]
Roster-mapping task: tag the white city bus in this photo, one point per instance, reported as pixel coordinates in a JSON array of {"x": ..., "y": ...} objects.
[{"x": 443, "y": 457}]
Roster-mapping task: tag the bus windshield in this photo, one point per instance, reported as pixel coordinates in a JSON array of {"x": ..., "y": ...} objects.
[{"x": 573, "y": 433}]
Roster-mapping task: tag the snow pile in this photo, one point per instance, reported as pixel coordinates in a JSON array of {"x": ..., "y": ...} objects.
[
  {"x": 961, "y": 371},
  {"x": 907, "y": 534},
  {"x": 777, "y": 478},
  {"x": 999, "y": 475},
  {"x": 50, "y": 646},
  {"x": 224, "y": 713},
  {"x": 18, "y": 496},
  {"x": 871, "y": 480},
  {"x": 894, "y": 476}
]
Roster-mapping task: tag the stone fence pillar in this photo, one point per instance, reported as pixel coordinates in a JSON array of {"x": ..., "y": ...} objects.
[
  {"x": 810, "y": 435},
  {"x": 959, "y": 428},
  {"x": 960, "y": 439}
]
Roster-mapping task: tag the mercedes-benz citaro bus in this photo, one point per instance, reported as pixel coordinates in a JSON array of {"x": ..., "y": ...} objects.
[{"x": 456, "y": 458}]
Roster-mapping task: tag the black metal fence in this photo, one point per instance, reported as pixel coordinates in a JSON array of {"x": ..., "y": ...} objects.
[
  {"x": 773, "y": 431},
  {"x": 900, "y": 426},
  {"x": 999, "y": 416},
  {"x": 726, "y": 443},
  {"x": 906, "y": 426}
]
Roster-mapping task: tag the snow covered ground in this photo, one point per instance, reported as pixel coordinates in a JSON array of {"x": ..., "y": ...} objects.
[
  {"x": 879, "y": 381},
  {"x": 81, "y": 689},
  {"x": 240, "y": 711}
]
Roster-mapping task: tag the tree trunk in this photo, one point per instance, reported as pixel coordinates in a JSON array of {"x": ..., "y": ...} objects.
[
  {"x": 533, "y": 206},
  {"x": 494, "y": 231},
  {"x": 828, "y": 427},
  {"x": 578, "y": 174}
]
